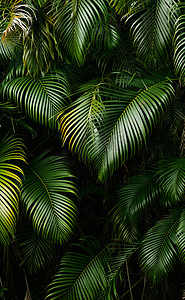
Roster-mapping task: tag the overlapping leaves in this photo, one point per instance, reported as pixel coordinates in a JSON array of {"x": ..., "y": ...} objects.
[
  {"x": 153, "y": 44},
  {"x": 109, "y": 124},
  {"x": 79, "y": 23}
]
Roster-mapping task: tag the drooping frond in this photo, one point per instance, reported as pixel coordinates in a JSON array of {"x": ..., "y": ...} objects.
[
  {"x": 181, "y": 236},
  {"x": 82, "y": 274},
  {"x": 41, "y": 98},
  {"x": 16, "y": 19},
  {"x": 46, "y": 190},
  {"x": 172, "y": 178},
  {"x": 127, "y": 125},
  {"x": 11, "y": 153},
  {"x": 153, "y": 44},
  {"x": 35, "y": 250},
  {"x": 109, "y": 124},
  {"x": 80, "y": 124},
  {"x": 158, "y": 251},
  {"x": 121, "y": 254},
  {"x": 124, "y": 7},
  {"x": 179, "y": 45},
  {"x": 38, "y": 45},
  {"x": 116, "y": 59},
  {"x": 132, "y": 199},
  {"x": 7, "y": 49},
  {"x": 79, "y": 23},
  {"x": 174, "y": 116}
]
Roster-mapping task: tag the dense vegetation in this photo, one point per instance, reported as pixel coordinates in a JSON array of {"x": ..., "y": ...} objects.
[{"x": 92, "y": 166}]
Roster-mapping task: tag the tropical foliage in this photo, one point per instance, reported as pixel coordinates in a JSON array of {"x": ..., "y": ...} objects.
[{"x": 92, "y": 167}]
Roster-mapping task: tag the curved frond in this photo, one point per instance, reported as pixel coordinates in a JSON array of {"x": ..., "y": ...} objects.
[
  {"x": 15, "y": 19},
  {"x": 7, "y": 50},
  {"x": 81, "y": 275},
  {"x": 127, "y": 125},
  {"x": 181, "y": 236},
  {"x": 179, "y": 45},
  {"x": 158, "y": 251},
  {"x": 80, "y": 123},
  {"x": 38, "y": 51},
  {"x": 127, "y": 7},
  {"x": 75, "y": 24},
  {"x": 41, "y": 98},
  {"x": 108, "y": 125},
  {"x": 132, "y": 199},
  {"x": 172, "y": 178},
  {"x": 11, "y": 153},
  {"x": 45, "y": 196},
  {"x": 153, "y": 44},
  {"x": 122, "y": 253},
  {"x": 35, "y": 250}
]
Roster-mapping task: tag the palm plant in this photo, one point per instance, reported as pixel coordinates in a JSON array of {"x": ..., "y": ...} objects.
[{"x": 107, "y": 78}]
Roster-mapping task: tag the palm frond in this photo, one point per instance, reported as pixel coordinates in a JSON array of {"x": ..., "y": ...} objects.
[
  {"x": 173, "y": 117},
  {"x": 35, "y": 250},
  {"x": 158, "y": 251},
  {"x": 41, "y": 98},
  {"x": 181, "y": 236},
  {"x": 121, "y": 254},
  {"x": 45, "y": 196},
  {"x": 15, "y": 19},
  {"x": 7, "y": 50},
  {"x": 39, "y": 48},
  {"x": 127, "y": 125},
  {"x": 75, "y": 23},
  {"x": 81, "y": 122},
  {"x": 153, "y": 45},
  {"x": 116, "y": 59},
  {"x": 172, "y": 178},
  {"x": 132, "y": 199},
  {"x": 81, "y": 275},
  {"x": 125, "y": 8},
  {"x": 11, "y": 153},
  {"x": 179, "y": 41},
  {"x": 109, "y": 124}
]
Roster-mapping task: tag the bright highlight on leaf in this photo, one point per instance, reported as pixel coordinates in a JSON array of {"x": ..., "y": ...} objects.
[{"x": 11, "y": 152}]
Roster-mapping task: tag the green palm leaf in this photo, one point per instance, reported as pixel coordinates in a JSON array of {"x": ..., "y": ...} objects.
[
  {"x": 127, "y": 125},
  {"x": 45, "y": 196},
  {"x": 122, "y": 253},
  {"x": 126, "y": 7},
  {"x": 181, "y": 236},
  {"x": 158, "y": 251},
  {"x": 41, "y": 98},
  {"x": 81, "y": 275},
  {"x": 172, "y": 178},
  {"x": 132, "y": 199},
  {"x": 153, "y": 44},
  {"x": 38, "y": 45},
  {"x": 7, "y": 50},
  {"x": 78, "y": 22},
  {"x": 179, "y": 45},
  {"x": 35, "y": 250},
  {"x": 109, "y": 124},
  {"x": 80, "y": 123},
  {"x": 11, "y": 153}
]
